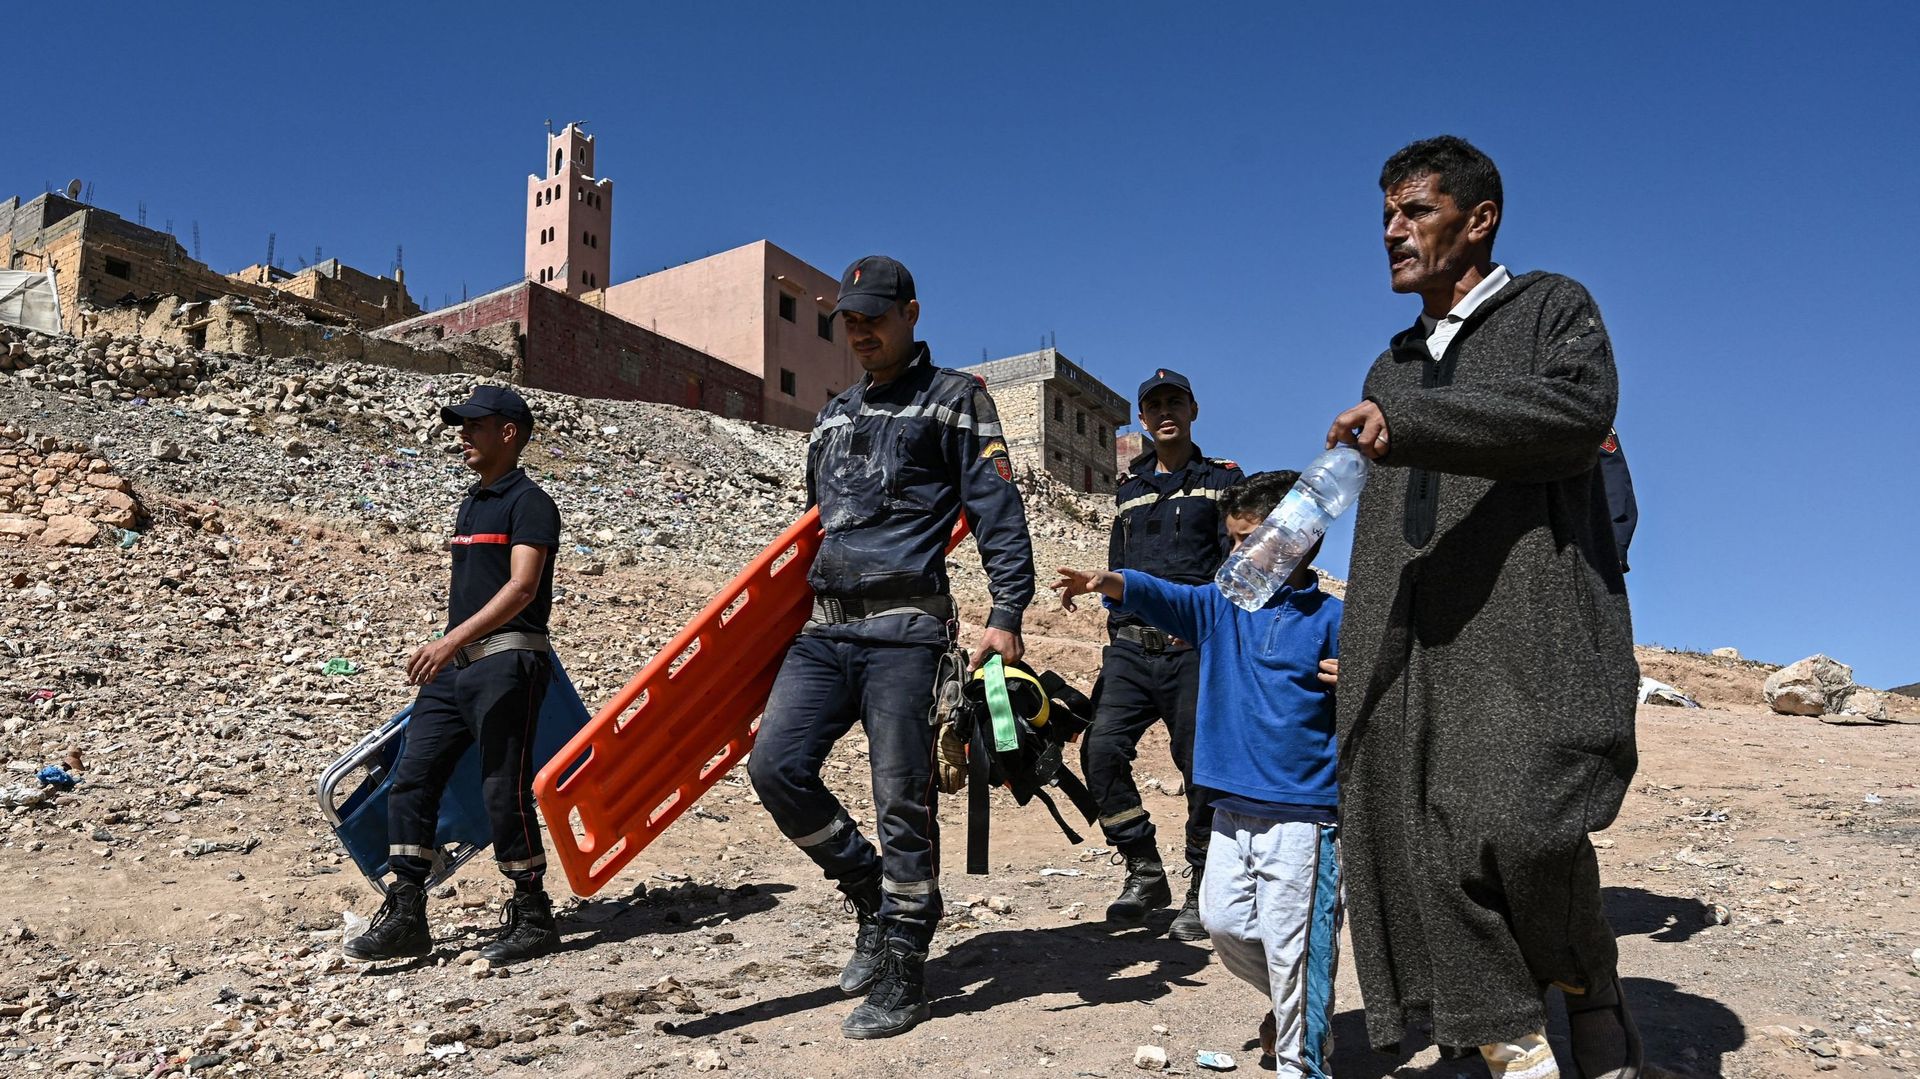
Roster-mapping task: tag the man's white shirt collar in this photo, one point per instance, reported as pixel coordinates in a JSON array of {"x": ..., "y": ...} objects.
[{"x": 1440, "y": 332}]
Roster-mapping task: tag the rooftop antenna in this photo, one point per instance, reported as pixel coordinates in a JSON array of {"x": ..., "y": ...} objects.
[
  {"x": 175, "y": 239},
  {"x": 73, "y": 188},
  {"x": 196, "y": 241},
  {"x": 549, "y": 127},
  {"x": 396, "y": 258},
  {"x": 143, "y": 213},
  {"x": 89, "y": 199},
  {"x": 271, "y": 236},
  {"x": 463, "y": 290},
  {"x": 1053, "y": 342}
]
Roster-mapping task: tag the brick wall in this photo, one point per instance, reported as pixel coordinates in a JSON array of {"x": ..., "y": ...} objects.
[{"x": 575, "y": 348}]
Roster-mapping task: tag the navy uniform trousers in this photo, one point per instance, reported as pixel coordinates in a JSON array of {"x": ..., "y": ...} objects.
[
  {"x": 878, "y": 672},
  {"x": 494, "y": 701},
  {"x": 1136, "y": 690}
]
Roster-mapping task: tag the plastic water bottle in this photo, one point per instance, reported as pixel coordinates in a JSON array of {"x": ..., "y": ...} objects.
[{"x": 1251, "y": 575}]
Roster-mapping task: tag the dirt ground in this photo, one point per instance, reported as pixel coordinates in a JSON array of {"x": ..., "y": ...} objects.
[{"x": 718, "y": 946}]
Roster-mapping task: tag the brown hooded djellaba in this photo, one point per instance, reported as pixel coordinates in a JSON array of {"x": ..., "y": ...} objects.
[{"x": 1488, "y": 683}]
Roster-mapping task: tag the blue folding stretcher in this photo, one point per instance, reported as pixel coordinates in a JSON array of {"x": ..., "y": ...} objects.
[{"x": 359, "y": 816}]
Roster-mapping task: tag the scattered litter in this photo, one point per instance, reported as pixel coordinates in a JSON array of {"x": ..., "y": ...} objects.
[
  {"x": 1050, "y": 871},
  {"x": 57, "y": 777},
  {"x": 1873, "y": 799},
  {"x": 25, "y": 797},
  {"x": 1653, "y": 691},
  {"x": 442, "y": 1052},
  {"x": 198, "y": 847},
  {"x": 1720, "y": 914},
  {"x": 353, "y": 925},
  {"x": 1709, "y": 816},
  {"x": 339, "y": 665},
  {"x": 128, "y": 538},
  {"x": 1214, "y": 1062},
  {"x": 42, "y": 695}
]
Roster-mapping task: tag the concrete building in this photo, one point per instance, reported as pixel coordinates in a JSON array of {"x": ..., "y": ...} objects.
[
  {"x": 569, "y": 217},
  {"x": 759, "y": 308},
  {"x": 1057, "y": 417},
  {"x": 569, "y": 346},
  {"x": 103, "y": 259},
  {"x": 1128, "y": 446},
  {"x": 373, "y": 300}
]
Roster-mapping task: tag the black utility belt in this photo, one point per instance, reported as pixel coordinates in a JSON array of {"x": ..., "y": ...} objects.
[
  {"x": 1152, "y": 641},
  {"x": 510, "y": 641},
  {"x": 840, "y": 610}
]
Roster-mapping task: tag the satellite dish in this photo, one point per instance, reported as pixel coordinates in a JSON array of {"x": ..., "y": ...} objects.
[{"x": 73, "y": 188}]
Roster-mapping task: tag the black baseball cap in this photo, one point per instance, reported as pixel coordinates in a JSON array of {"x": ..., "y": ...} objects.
[
  {"x": 489, "y": 401},
  {"x": 872, "y": 285},
  {"x": 1162, "y": 377}
]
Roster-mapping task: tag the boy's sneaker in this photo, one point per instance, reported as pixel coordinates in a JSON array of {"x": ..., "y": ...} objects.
[
  {"x": 898, "y": 1001},
  {"x": 530, "y": 930},
  {"x": 1145, "y": 889},
  {"x": 399, "y": 930},
  {"x": 1187, "y": 925}
]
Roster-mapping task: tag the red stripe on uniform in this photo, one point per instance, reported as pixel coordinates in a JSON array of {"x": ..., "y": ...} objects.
[{"x": 484, "y": 537}]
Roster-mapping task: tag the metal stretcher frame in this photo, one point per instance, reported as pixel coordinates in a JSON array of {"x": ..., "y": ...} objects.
[
  {"x": 359, "y": 817},
  {"x": 688, "y": 717}
]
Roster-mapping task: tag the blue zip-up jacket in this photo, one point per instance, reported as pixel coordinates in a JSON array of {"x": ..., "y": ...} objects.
[
  {"x": 892, "y": 467},
  {"x": 1265, "y": 730}
]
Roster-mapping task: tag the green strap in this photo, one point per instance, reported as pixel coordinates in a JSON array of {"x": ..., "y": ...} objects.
[{"x": 1006, "y": 736}]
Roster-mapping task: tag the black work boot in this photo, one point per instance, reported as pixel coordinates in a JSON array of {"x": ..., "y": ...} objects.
[
  {"x": 1187, "y": 925},
  {"x": 530, "y": 929},
  {"x": 1606, "y": 1043},
  {"x": 399, "y": 930},
  {"x": 898, "y": 1000},
  {"x": 869, "y": 944},
  {"x": 1145, "y": 888}
]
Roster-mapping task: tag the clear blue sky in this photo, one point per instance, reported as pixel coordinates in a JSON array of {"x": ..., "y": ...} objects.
[{"x": 1178, "y": 185}]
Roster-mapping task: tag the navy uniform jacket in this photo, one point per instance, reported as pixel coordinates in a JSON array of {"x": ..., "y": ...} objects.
[
  {"x": 1621, "y": 505},
  {"x": 892, "y": 467},
  {"x": 1170, "y": 524}
]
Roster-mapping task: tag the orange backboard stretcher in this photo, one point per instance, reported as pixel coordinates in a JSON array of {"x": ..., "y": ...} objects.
[{"x": 688, "y": 717}]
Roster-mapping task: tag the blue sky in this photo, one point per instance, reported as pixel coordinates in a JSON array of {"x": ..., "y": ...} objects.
[{"x": 1172, "y": 185}]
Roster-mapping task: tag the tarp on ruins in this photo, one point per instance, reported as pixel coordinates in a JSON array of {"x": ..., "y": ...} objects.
[{"x": 27, "y": 299}]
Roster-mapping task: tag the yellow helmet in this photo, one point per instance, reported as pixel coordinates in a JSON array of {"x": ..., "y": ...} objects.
[{"x": 1024, "y": 693}]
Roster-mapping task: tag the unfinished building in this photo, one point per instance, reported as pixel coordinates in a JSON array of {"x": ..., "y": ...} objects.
[
  {"x": 101, "y": 260},
  {"x": 1057, "y": 417}
]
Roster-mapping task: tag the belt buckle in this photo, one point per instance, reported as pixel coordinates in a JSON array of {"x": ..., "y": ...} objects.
[
  {"x": 460, "y": 660},
  {"x": 1153, "y": 640}
]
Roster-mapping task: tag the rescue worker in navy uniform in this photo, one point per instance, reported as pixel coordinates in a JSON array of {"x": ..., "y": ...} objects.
[
  {"x": 1622, "y": 507},
  {"x": 482, "y": 681},
  {"x": 1169, "y": 525},
  {"x": 891, "y": 463}
]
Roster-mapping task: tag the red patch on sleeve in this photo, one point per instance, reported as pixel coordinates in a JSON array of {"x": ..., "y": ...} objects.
[
  {"x": 1612, "y": 444},
  {"x": 1004, "y": 467}
]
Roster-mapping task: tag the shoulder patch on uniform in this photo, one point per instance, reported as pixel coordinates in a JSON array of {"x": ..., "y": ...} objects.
[
  {"x": 994, "y": 447},
  {"x": 1004, "y": 466},
  {"x": 1612, "y": 443},
  {"x": 982, "y": 380},
  {"x": 1223, "y": 462}
]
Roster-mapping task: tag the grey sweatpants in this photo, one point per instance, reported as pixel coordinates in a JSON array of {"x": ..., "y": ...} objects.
[{"x": 1271, "y": 901}]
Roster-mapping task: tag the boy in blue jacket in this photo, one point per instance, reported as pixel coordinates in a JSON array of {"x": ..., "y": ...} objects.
[{"x": 1264, "y": 744}]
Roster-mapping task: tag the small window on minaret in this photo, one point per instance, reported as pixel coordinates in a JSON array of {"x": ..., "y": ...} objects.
[{"x": 558, "y": 156}]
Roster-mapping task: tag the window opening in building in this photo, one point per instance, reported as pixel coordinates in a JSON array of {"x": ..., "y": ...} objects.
[
  {"x": 789, "y": 310},
  {"x": 786, "y": 382},
  {"x": 825, "y": 327},
  {"x": 120, "y": 269},
  {"x": 558, "y": 156},
  {"x": 1088, "y": 479},
  {"x": 1079, "y": 423},
  {"x": 1059, "y": 410}
]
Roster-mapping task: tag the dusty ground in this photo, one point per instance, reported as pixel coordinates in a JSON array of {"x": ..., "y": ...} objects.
[{"x": 178, "y": 912}]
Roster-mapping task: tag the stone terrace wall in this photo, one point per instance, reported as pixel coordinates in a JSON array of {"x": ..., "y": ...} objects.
[{"x": 60, "y": 494}]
